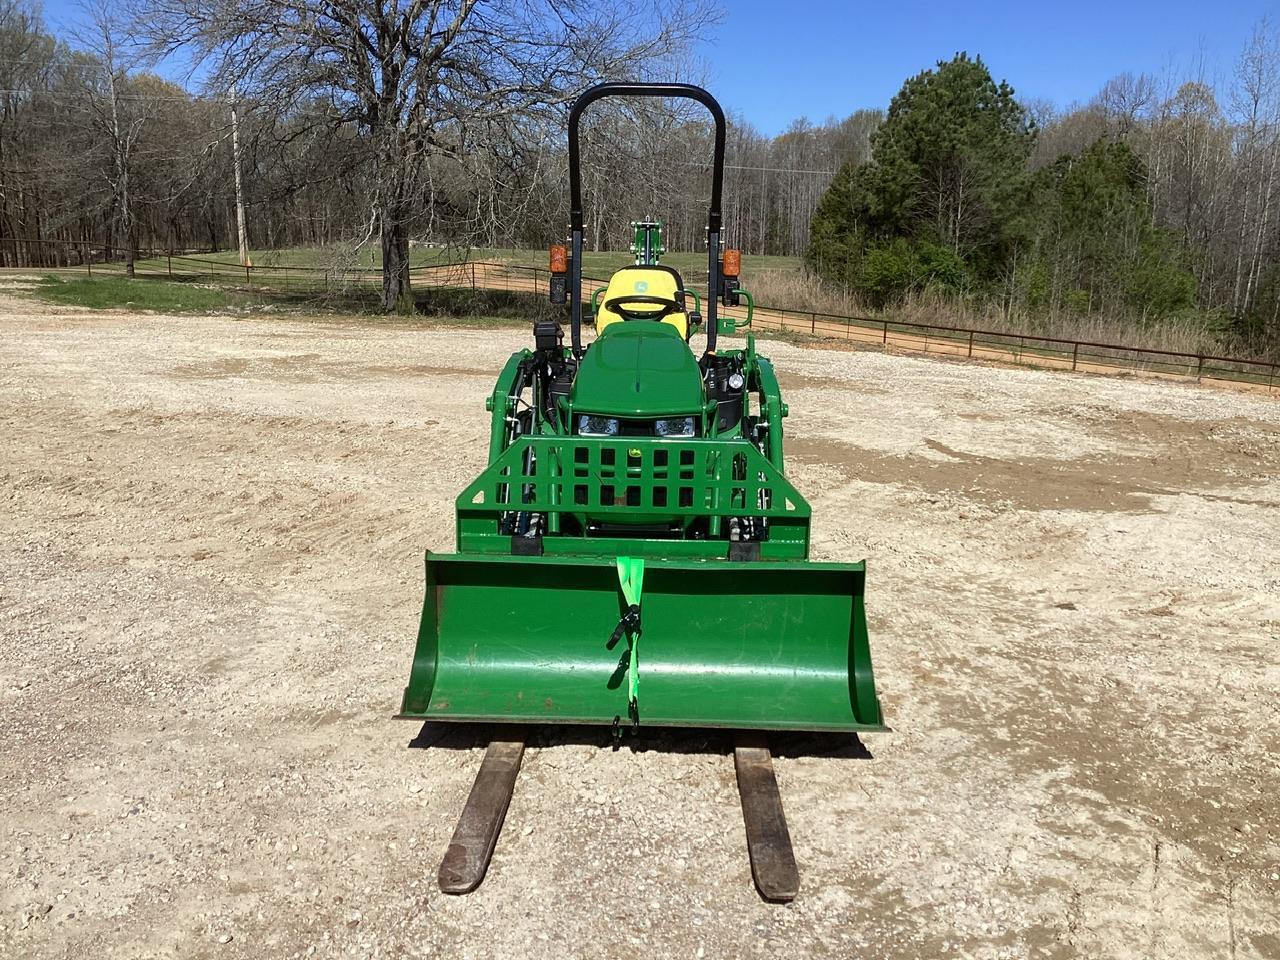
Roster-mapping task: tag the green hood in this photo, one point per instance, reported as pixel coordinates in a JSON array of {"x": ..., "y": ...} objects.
[{"x": 638, "y": 369}]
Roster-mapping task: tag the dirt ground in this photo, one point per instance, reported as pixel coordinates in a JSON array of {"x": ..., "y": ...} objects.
[{"x": 210, "y": 577}]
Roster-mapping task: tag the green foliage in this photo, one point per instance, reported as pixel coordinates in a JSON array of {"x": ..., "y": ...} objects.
[
  {"x": 1260, "y": 327},
  {"x": 1076, "y": 301},
  {"x": 1161, "y": 285},
  {"x": 832, "y": 232},
  {"x": 940, "y": 268},
  {"x": 455, "y": 306},
  {"x": 948, "y": 204},
  {"x": 1035, "y": 282},
  {"x": 889, "y": 270},
  {"x": 1092, "y": 233},
  {"x": 947, "y": 174},
  {"x": 837, "y": 237},
  {"x": 949, "y": 159}
]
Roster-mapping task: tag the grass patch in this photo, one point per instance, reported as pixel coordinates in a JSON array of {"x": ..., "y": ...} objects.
[
  {"x": 456, "y": 307},
  {"x": 107, "y": 293}
]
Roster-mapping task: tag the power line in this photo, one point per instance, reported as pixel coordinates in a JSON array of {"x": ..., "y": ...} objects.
[
  {"x": 122, "y": 96},
  {"x": 740, "y": 166},
  {"x": 737, "y": 166},
  {"x": 51, "y": 64}
]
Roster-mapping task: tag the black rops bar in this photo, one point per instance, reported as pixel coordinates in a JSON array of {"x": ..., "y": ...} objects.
[{"x": 683, "y": 90}]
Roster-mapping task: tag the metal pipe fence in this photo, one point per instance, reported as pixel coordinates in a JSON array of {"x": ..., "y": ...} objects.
[{"x": 941, "y": 339}]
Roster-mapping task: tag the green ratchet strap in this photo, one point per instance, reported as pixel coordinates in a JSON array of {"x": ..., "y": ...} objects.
[{"x": 631, "y": 580}]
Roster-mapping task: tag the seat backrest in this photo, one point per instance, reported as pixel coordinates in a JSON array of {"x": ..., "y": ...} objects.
[{"x": 659, "y": 281}]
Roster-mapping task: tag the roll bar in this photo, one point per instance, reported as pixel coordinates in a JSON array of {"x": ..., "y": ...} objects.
[{"x": 686, "y": 91}]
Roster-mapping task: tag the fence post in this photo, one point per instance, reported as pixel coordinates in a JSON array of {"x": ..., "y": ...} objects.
[
  {"x": 169, "y": 257},
  {"x": 813, "y": 324},
  {"x": 1075, "y": 354},
  {"x": 473, "y": 276},
  {"x": 885, "y": 338},
  {"x": 1200, "y": 366},
  {"x": 970, "y": 344},
  {"x": 248, "y": 282},
  {"x": 88, "y": 259},
  {"x": 1271, "y": 380}
]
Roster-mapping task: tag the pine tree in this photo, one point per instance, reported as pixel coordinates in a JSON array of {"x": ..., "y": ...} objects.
[
  {"x": 937, "y": 203},
  {"x": 1095, "y": 241}
]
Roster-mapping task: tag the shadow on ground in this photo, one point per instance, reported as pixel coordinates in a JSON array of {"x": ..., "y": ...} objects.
[{"x": 469, "y": 736}]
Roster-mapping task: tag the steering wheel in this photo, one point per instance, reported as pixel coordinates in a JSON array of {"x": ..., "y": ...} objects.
[{"x": 659, "y": 307}]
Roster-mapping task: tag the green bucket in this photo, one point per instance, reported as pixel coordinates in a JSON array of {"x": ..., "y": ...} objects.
[{"x": 776, "y": 646}]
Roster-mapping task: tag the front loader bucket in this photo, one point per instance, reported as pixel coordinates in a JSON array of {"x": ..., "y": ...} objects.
[{"x": 779, "y": 646}]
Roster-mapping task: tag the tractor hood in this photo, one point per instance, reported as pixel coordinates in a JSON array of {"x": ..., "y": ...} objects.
[{"x": 639, "y": 369}]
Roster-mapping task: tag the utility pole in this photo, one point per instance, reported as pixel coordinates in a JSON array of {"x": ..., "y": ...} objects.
[{"x": 235, "y": 152}]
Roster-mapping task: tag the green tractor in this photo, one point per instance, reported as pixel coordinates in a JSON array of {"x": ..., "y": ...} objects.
[{"x": 634, "y": 556}]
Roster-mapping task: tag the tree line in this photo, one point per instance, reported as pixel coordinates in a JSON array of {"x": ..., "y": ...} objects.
[
  {"x": 1156, "y": 201},
  {"x": 376, "y": 125},
  {"x": 368, "y": 126}
]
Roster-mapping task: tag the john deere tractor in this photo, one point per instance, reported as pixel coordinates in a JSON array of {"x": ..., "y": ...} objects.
[{"x": 634, "y": 555}]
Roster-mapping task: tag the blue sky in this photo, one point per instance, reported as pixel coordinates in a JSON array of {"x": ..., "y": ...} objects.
[{"x": 773, "y": 61}]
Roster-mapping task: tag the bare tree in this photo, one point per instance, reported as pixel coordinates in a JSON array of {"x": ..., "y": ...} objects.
[
  {"x": 120, "y": 127},
  {"x": 1256, "y": 103},
  {"x": 1125, "y": 99},
  {"x": 419, "y": 79},
  {"x": 26, "y": 56}
]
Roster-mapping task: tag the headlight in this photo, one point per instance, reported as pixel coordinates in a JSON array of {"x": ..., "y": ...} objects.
[
  {"x": 589, "y": 426},
  {"x": 675, "y": 427}
]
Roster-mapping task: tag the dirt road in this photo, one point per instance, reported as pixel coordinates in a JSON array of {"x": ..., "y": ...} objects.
[{"x": 210, "y": 555}]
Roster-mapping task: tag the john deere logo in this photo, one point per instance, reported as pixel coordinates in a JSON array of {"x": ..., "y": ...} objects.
[{"x": 642, "y": 286}]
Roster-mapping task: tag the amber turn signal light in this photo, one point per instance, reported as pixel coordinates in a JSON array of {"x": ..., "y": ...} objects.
[{"x": 559, "y": 258}]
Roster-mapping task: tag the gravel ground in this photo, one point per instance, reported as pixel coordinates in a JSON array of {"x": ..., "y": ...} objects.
[{"x": 210, "y": 563}]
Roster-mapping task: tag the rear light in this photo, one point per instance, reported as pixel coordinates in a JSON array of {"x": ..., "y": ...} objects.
[
  {"x": 732, "y": 263},
  {"x": 559, "y": 258}
]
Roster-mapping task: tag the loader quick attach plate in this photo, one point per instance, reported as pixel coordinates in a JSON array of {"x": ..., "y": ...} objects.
[
  {"x": 779, "y": 646},
  {"x": 583, "y": 484}
]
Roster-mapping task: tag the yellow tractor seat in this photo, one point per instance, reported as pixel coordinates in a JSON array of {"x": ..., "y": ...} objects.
[{"x": 637, "y": 283}]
